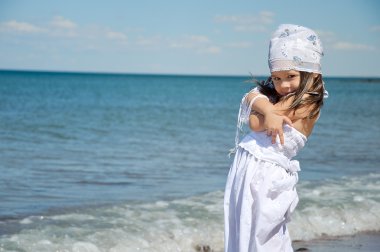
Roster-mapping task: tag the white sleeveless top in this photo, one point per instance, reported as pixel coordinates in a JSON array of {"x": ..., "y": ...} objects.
[
  {"x": 260, "y": 145},
  {"x": 294, "y": 141}
]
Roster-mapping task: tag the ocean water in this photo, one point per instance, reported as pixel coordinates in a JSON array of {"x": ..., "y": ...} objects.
[{"x": 108, "y": 162}]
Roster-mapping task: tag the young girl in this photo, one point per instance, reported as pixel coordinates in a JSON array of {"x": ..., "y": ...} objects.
[{"x": 260, "y": 192}]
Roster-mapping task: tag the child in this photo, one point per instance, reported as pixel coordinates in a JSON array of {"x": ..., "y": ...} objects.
[{"x": 260, "y": 191}]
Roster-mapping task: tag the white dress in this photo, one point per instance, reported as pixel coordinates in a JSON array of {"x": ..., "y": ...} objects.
[{"x": 260, "y": 192}]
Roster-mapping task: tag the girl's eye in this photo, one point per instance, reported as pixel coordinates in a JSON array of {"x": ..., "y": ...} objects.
[
  {"x": 291, "y": 76},
  {"x": 275, "y": 78}
]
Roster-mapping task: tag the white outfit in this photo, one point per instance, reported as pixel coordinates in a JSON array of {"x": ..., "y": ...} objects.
[{"x": 260, "y": 192}]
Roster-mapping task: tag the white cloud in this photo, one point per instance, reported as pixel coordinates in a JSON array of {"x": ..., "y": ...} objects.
[
  {"x": 62, "y": 27},
  {"x": 325, "y": 33},
  {"x": 148, "y": 41},
  {"x": 198, "y": 43},
  {"x": 95, "y": 37},
  {"x": 20, "y": 27},
  {"x": 210, "y": 50},
  {"x": 199, "y": 39},
  {"x": 58, "y": 27},
  {"x": 190, "y": 41},
  {"x": 352, "y": 46},
  {"x": 116, "y": 36},
  {"x": 266, "y": 17},
  {"x": 375, "y": 28},
  {"x": 63, "y": 23},
  {"x": 250, "y": 28},
  {"x": 331, "y": 40},
  {"x": 248, "y": 23},
  {"x": 242, "y": 44},
  {"x": 327, "y": 37}
]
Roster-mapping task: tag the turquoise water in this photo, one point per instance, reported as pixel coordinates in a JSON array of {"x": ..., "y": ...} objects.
[
  {"x": 71, "y": 143},
  {"x": 73, "y": 139}
]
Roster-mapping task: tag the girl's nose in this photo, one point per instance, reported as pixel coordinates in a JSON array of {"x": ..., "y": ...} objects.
[{"x": 285, "y": 85}]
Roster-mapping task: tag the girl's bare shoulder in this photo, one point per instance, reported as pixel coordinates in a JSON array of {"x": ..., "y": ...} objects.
[{"x": 301, "y": 112}]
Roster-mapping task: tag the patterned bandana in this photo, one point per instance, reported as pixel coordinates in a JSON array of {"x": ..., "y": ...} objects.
[{"x": 295, "y": 47}]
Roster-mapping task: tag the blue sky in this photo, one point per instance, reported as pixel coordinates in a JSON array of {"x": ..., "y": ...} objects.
[{"x": 216, "y": 37}]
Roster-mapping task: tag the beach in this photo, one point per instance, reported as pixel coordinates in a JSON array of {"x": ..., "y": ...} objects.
[
  {"x": 113, "y": 162},
  {"x": 364, "y": 242}
]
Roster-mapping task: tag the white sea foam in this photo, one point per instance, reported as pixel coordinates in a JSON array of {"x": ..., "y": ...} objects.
[
  {"x": 336, "y": 208},
  {"x": 331, "y": 208}
]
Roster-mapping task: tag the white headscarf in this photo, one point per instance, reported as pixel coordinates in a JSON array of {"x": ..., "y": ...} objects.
[{"x": 295, "y": 47}]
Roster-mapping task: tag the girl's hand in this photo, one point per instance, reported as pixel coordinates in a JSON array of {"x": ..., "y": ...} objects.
[{"x": 274, "y": 123}]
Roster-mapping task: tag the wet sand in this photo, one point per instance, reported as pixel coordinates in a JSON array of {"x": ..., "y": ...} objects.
[{"x": 363, "y": 242}]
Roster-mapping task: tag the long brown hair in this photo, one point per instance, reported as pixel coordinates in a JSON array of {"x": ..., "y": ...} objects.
[{"x": 309, "y": 84}]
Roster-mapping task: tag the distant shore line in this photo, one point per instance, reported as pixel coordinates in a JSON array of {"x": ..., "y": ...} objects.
[{"x": 53, "y": 72}]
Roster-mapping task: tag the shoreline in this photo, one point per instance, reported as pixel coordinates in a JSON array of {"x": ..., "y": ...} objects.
[{"x": 364, "y": 242}]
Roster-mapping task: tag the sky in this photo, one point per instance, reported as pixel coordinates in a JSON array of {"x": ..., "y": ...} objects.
[{"x": 202, "y": 37}]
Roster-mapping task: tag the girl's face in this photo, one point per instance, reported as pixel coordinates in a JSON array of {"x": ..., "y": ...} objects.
[{"x": 286, "y": 82}]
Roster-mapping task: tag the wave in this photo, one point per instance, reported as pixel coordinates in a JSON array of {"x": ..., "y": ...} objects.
[
  {"x": 337, "y": 207},
  {"x": 330, "y": 208}
]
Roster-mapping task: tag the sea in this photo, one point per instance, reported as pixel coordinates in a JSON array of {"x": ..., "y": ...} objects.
[{"x": 138, "y": 162}]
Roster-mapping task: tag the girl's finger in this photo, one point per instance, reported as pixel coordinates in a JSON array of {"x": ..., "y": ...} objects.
[
  {"x": 269, "y": 132},
  {"x": 274, "y": 135},
  {"x": 281, "y": 134}
]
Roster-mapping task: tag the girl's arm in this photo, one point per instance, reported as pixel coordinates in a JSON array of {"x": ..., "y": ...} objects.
[
  {"x": 267, "y": 117},
  {"x": 275, "y": 113}
]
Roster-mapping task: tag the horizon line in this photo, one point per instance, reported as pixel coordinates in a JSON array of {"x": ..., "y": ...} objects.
[{"x": 84, "y": 72}]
